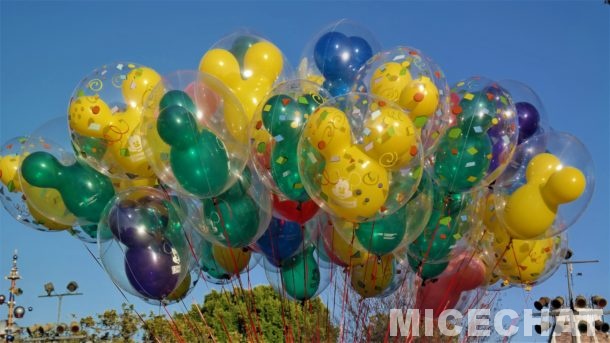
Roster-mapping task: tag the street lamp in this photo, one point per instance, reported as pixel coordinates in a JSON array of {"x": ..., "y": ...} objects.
[
  {"x": 14, "y": 312},
  {"x": 49, "y": 288}
]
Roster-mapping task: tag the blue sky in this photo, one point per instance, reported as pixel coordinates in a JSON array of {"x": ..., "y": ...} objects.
[{"x": 560, "y": 49}]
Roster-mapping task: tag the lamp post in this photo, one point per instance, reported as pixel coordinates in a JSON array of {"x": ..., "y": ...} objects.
[{"x": 72, "y": 286}]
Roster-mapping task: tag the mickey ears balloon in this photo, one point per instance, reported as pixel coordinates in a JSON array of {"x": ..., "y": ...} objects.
[
  {"x": 409, "y": 78},
  {"x": 105, "y": 113},
  {"x": 142, "y": 244},
  {"x": 248, "y": 65},
  {"x": 547, "y": 189},
  {"x": 194, "y": 132},
  {"x": 276, "y": 128},
  {"x": 481, "y": 138},
  {"x": 333, "y": 57},
  {"x": 361, "y": 157}
]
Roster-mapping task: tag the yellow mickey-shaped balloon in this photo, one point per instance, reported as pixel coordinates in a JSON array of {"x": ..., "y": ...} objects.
[
  {"x": 232, "y": 260},
  {"x": 390, "y": 79},
  {"x": 374, "y": 276},
  {"x": 262, "y": 64},
  {"x": 531, "y": 210},
  {"x": 353, "y": 184},
  {"x": 91, "y": 116},
  {"x": 526, "y": 261},
  {"x": 138, "y": 85},
  {"x": 390, "y": 138},
  {"x": 345, "y": 246},
  {"x": 421, "y": 98}
]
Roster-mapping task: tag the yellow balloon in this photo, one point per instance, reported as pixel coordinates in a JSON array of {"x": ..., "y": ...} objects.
[
  {"x": 125, "y": 184},
  {"x": 91, "y": 116},
  {"x": 374, "y": 276},
  {"x": 354, "y": 185},
  {"x": 526, "y": 260},
  {"x": 47, "y": 206},
  {"x": 262, "y": 65},
  {"x": 421, "y": 98},
  {"x": 345, "y": 246},
  {"x": 391, "y": 138},
  {"x": 138, "y": 85},
  {"x": 181, "y": 290},
  {"x": 232, "y": 260},
  {"x": 531, "y": 210},
  {"x": 45, "y": 221},
  {"x": 9, "y": 168},
  {"x": 390, "y": 79}
]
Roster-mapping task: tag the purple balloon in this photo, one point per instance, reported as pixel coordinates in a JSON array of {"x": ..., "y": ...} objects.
[
  {"x": 497, "y": 152},
  {"x": 138, "y": 224},
  {"x": 153, "y": 272},
  {"x": 529, "y": 120}
]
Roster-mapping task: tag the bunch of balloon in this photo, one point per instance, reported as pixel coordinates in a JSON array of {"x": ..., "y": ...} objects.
[
  {"x": 549, "y": 191},
  {"x": 360, "y": 157},
  {"x": 105, "y": 114},
  {"x": 334, "y": 56},
  {"x": 409, "y": 78},
  {"x": 248, "y": 65},
  {"x": 143, "y": 246},
  {"x": 300, "y": 277},
  {"x": 277, "y": 127}
]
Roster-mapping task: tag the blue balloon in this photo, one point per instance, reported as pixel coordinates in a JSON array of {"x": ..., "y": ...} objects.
[
  {"x": 339, "y": 57},
  {"x": 281, "y": 240}
]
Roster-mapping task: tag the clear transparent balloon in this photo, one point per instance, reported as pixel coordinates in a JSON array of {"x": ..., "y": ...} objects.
[
  {"x": 361, "y": 157},
  {"x": 481, "y": 138},
  {"x": 562, "y": 202},
  {"x": 12, "y": 192},
  {"x": 276, "y": 128},
  {"x": 334, "y": 55},
  {"x": 143, "y": 246},
  {"x": 248, "y": 64},
  {"x": 411, "y": 79},
  {"x": 235, "y": 218},
  {"x": 195, "y": 134},
  {"x": 105, "y": 113}
]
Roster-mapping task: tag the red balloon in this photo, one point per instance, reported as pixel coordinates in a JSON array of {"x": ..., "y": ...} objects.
[
  {"x": 464, "y": 273},
  {"x": 295, "y": 211}
]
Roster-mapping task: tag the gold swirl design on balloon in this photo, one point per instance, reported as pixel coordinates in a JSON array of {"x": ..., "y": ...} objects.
[
  {"x": 116, "y": 133},
  {"x": 370, "y": 179},
  {"x": 388, "y": 159},
  {"x": 95, "y": 85},
  {"x": 317, "y": 98}
]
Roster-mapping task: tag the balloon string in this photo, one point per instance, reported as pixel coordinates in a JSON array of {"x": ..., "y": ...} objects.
[
  {"x": 120, "y": 291},
  {"x": 175, "y": 329},
  {"x": 205, "y": 322},
  {"x": 190, "y": 323}
]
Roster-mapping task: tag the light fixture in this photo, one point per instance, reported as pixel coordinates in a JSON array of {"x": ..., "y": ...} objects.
[
  {"x": 599, "y": 301},
  {"x": 580, "y": 302},
  {"x": 583, "y": 326},
  {"x": 557, "y": 303},
  {"x": 72, "y": 286},
  {"x": 541, "y": 303},
  {"x": 49, "y": 288}
]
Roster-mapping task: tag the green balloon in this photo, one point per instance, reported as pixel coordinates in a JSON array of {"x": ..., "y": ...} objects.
[
  {"x": 477, "y": 114},
  {"x": 84, "y": 191},
  {"x": 199, "y": 159},
  {"x": 241, "y": 46},
  {"x": 301, "y": 275},
  {"x": 284, "y": 118},
  {"x": 177, "y": 98},
  {"x": 428, "y": 270},
  {"x": 383, "y": 236},
  {"x": 232, "y": 217},
  {"x": 461, "y": 162}
]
